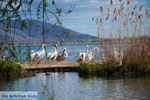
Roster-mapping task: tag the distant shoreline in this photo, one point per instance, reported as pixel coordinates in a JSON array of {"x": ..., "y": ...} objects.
[{"x": 75, "y": 43}]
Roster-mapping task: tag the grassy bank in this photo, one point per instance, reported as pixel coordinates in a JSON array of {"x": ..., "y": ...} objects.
[
  {"x": 130, "y": 69},
  {"x": 11, "y": 70}
]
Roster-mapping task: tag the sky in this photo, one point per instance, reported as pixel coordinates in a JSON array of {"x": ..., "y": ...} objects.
[{"x": 80, "y": 19}]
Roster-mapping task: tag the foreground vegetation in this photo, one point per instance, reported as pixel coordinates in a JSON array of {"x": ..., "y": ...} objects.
[
  {"x": 11, "y": 70},
  {"x": 107, "y": 69}
]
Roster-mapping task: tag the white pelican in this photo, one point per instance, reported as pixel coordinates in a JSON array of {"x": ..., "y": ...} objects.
[
  {"x": 53, "y": 55},
  {"x": 62, "y": 55},
  {"x": 91, "y": 55},
  {"x": 82, "y": 55},
  {"x": 32, "y": 54},
  {"x": 118, "y": 56},
  {"x": 40, "y": 54}
]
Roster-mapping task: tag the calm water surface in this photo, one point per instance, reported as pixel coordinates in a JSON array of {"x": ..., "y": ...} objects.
[{"x": 70, "y": 86}]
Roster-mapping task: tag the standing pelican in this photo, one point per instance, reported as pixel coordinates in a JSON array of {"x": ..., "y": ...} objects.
[
  {"x": 40, "y": 54},
  {"x": 32, "y": 54},
  {"x": 92, "y": 53},
  {"x": 53, "y": 55},
  {"x": 62, "y": 55},
  {"x": 119, "y": 56},
  {"x": 82, "y": 55}
]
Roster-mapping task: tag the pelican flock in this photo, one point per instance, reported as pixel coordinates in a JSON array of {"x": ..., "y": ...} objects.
[
  {"x": 62, "y": 55},
  {"x": 53, "y": 55},
  {"x": 82, "y": 55}
]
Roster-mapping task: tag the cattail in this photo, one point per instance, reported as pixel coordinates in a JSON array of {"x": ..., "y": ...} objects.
[
  {"x": 101, "y": 20},
  {"x": 122, "y": 7},
  {"x": 96, "y": 20},
  {"x": 132, "y": 13},
  {"x": 101, "y": 9},
  {"x": 128, "y": 2},
  {"x": 114, "y": 18},
  {"x": 111, "y": 2},
  {"x": 146, "y": 12},
  {"x": 107, "y": 17},
  {"x": 108, "y": 10},
  {"x": 128, "y": 12},
  {"x": 141, "y": 7},
  {"x": 119, "y": 12},
  {"x": 140, "y": 16},
  {"x": 92, "y": 19},
  {"x": 135, "y": 7},
  {"x": 115, "y": 11},
  {"x": 108, "y": 14}
]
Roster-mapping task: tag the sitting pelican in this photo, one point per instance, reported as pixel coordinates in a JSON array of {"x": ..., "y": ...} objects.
[
  {"x": 92, "y": 53},
  {"x": 32, "y": 54},
  {"x": 53, "y": 55},
  {"x": 82, "y": 55},
  {"x": 62, "y": 55},
  {"x": 40, "y": 54}
]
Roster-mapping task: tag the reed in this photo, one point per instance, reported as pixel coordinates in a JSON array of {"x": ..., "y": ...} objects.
[{"x": 129, "y": 51}]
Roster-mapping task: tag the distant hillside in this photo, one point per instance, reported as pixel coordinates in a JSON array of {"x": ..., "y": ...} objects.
[{"x": 22, "y": 35}]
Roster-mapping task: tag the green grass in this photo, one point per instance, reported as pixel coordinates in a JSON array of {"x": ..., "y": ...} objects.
[
  {"x": 107, "y": 69},
  {"x": 11, "y": 70}
]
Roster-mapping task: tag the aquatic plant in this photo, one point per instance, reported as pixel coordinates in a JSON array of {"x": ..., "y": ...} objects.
[
  {"x": 128, "y": 38},
  {"x": 109, "y": 69},
  {"x": 11, "y": 70}
]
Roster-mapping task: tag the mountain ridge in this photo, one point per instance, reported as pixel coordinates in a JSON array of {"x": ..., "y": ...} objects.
[{"x": 56, "y": 34}]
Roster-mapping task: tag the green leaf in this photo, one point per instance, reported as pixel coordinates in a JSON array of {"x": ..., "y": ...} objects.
[
  {"x": 24, "y": 25},
  {"x": 55, "y": 34},
  {"x": 59, "y": 11}
]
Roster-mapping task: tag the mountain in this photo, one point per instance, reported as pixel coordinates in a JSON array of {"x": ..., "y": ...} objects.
[{"x": 54, "y": 35}]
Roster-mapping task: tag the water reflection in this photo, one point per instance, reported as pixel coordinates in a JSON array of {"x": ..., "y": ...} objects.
[{"x": 69, "y": 86}]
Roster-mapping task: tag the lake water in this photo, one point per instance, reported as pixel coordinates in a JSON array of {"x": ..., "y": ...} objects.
[{"x": 70, "y": 86}]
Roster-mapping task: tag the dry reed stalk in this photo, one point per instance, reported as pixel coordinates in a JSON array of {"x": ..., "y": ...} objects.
[
  {"x": 115, "y": 11},
  {"x": 121, "y": 7},
  {"x": 135, "y": 6},
  {"x": 136, "y": 42},
  {"x": 96, "y": 20},
  {"x": 141, "y": 7},
  {"x": 119, "y": 12},
  {"x": 101, "y": 20},
  {"x": 108, "y": 14},
  {"x": 92, "y": 19},
  {"x": 101, "y": 9},
  {"x": 111, "y": 2},
  {"x": 140, "y": 16},
  {"x": 132, "y": 13},
  {"x": 128, "y": 2}
]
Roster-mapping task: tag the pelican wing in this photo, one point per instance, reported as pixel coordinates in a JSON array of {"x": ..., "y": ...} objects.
[{"x": 39, "y": 55}]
